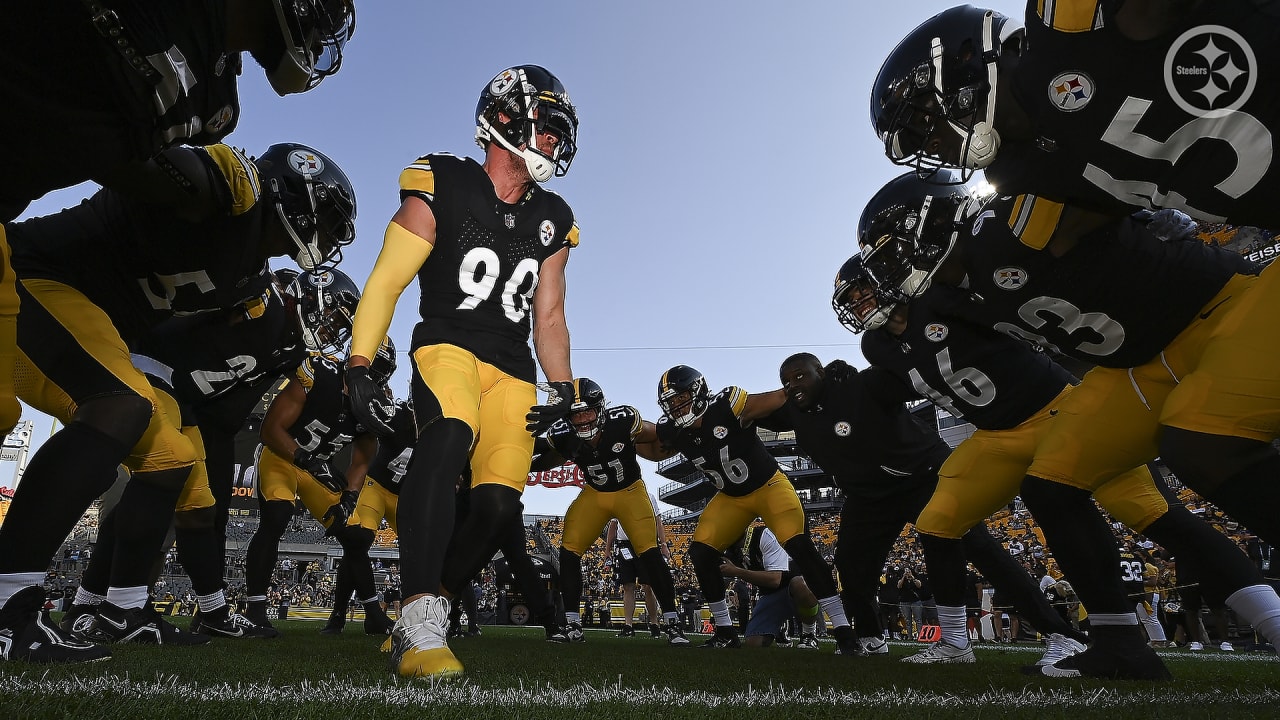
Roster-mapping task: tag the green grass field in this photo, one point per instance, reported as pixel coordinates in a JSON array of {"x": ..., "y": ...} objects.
[{"x": 513, "y": 673}]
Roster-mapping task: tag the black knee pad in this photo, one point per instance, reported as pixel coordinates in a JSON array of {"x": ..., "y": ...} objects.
[
  {"x": 197, "y": 519},
  {"x": 1203, "y": 461},
  {"x": 706, "y": 565},
  {"x": 123, "y": 417},
  {"x": 275, "y": 516},
  {"x": 355, "y": 538}
]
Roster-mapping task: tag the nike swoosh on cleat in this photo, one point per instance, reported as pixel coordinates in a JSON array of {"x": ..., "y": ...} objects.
[
  {"x": 117, "y": 625},
  {"x": 1205, "y": 315}
]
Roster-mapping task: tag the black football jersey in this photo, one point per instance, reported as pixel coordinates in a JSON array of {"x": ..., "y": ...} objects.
[
  {"x": 141, "y": 265},
  {"x": 609, "y": 464},
  {"x": 392, "y": 460},
  {"x": 1116, "y": 299},
  {"x": 1185, "y": 120},
  {"x": 213, "y": 354},
  {"x": 192, "y": 97},
  {"x": 478, "y": 282},
  {"x": 732, "y": 457},
  {"x": 992, "y": 380},
  {"x": 859, "y": 431},
  {"x": 325, "y": 426},
  {"x": 1132, "y": 572}
]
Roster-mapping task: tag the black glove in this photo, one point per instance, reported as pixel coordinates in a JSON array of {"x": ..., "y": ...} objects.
[
  {"x": 839, "y": 371},
  {"x": 1169, "y": 224},
  {"x": 559, "y": 398},
  {"x": 368, "y": 402},
  {"x": 322, "y": 470},
  {"x": 341, "y": 511}
]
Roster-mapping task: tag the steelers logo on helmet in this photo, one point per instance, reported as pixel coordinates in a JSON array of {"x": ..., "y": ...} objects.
[
  {"x": 843, "y": 429},
  {"x": 1070, "y": 91},
  {"x": 1009, "y": 278},
  {"x": 323, "y": 278},
  {"x": 1210, "y": 71},
  {"x": 504, "y": 81},
  {"x": 305, "y": 164},
  {"x": 936, "y": 332},
  {"x": 547, "y": 232}
]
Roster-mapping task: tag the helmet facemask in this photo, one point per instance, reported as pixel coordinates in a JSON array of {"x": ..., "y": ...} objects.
[
  {"x": 325, "y": 312},
  {"x": 312, "y": 36},
  {"x": 904, "y": 246},
  {"x": 684, "y": 406},
  {"x": 587, "y": 412},
  {"x": 859, "y": 303}
]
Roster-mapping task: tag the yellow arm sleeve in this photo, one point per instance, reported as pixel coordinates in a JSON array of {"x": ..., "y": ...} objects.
[{"x": 402, "y": 255}]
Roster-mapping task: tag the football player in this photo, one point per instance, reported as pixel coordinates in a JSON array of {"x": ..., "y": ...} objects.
[
  {"x": 1010, "y": 393},
  {"x": 306, "y": 427},
  {"x": 855, "y": 427},
  {"x": 94, "y": 90},
  {"x": 378, "y": 499},
  {"x": 601, "y": 440},
  {"x": 628, "y": 575},
  {"x": 1009, "y": 275},
  {"x": 220, "y": 363},
  {"x": 714, "y": 434},
  {"x": 1112, "y": 107},
  {"x": 783, "y": 592},
  {"x": 94, "y": 278},
  {"x": 489, "y": 248}
]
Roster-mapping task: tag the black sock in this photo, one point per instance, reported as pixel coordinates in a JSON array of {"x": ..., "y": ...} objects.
[
  {"x": 570, "y": 580},
  {"x": 948, "y": 568},
  {"x": 200, "y": 551},
  {"x": 706, "y": 565},
  {"x": 264, "y": 546},
  {"x": 64, "y": 476},
  {"x": 143, "y": 516},
  {"x": 425, "y": 513}
]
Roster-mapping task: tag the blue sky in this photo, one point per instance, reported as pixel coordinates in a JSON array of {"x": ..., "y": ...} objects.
[{"x": 725, "y": 155}]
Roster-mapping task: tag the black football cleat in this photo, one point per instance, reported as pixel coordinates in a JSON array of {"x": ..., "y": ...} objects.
[
  {"x": 726, "y": 636},
  {"x": 78, "y": 619},
  {"x": 627, "y": 631},
  {"x": 27, "y": 633},
  {"x": 376, "y": 621},
  {"x": 1111, "y": 661},
  {"x": 115, "y": 624},
  {"x": 223, "y": 623},
  {"x": 675, "y": 636},
  {"x": 337, "y": 621}
]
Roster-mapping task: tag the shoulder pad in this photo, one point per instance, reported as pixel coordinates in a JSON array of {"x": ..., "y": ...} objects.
[
  {"x": 1070, "y": 15},
  {"x": 239, "y": 173},
  {"x": 627, "y": 414}
]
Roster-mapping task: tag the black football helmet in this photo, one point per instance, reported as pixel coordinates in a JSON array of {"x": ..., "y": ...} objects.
[
  {"x": 859, "y": 303},
  {"x": 534, "y": 101},
  {"x": 683, "y": 395},
  {"x": 326, "y": 301},
  {"x": 588, "y": 397},
  {"x": 315, "y": 201},
  {"x": 933, "y": 103},
  {"x": 909, "y": 228},
  {"x": 383, "y": 364},
  {"x": 309, "y": 47}
]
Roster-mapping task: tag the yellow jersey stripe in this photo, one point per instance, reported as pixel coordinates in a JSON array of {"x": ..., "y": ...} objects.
[
  {"x": 737, "y": 400},
  {"x": 240, "y": 175},
  {"x": 1070, "y": 15},
  {"x": 572, "y": 237},
  {"x": 1034, "y": 220},
  {"x": 419, "y": 178}
]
